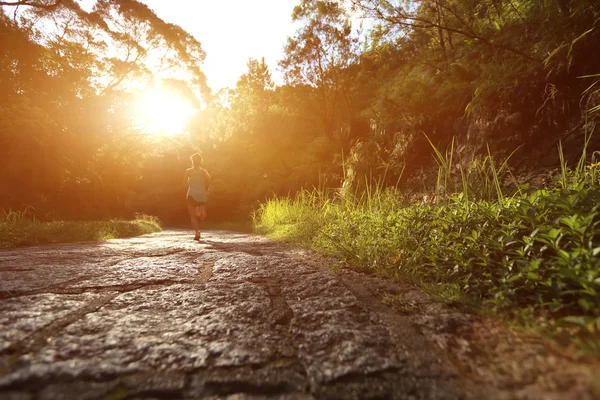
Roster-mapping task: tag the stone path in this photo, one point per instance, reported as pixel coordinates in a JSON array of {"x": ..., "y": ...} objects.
[{"x": 235, "y": 316}]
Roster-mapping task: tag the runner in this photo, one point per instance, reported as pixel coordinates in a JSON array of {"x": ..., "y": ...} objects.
[{"x": 198, "y": 181}]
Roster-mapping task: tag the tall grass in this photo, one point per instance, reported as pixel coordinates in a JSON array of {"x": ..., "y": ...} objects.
[
  {"x": 478, "y": 178},
  {"x": 297, "y": 220},
  {"x": 509, "y": 250},
  {"x": 20, "y": 228}
]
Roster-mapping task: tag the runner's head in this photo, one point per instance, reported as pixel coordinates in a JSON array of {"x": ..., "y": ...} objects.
[{"x": 196, "y": 160}]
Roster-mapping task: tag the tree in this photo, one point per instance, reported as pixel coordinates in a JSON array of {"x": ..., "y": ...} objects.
[
  {"x": 446, "y": 21},
  {"x": 254, "y": 96},
  {"x": 69, "y": 79},
  {"x": 319, "y": 54}
]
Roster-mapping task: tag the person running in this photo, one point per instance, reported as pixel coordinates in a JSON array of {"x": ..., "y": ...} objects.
[{"x": 198, "y": 181}]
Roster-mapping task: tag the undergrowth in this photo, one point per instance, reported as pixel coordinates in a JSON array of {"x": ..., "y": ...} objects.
[
  {"x": 21, "y": 228},
  {"x": 530, "y": 252}
]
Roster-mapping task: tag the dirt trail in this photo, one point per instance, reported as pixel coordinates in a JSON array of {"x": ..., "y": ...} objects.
[{"x": 234, "y": 316}]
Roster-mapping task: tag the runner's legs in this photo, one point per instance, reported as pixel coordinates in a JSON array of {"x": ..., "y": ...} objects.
[{"x": 193, "y": 218}]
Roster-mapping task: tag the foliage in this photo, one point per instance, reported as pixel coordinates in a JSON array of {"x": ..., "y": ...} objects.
[
  {"x": 355, "y": 102},
  {"x": 503, "y": 73},
  {"x": 69, "y": 81},
  {"x": 296, "y": 219},
  {"x": 533, "y": 250},
  {"x": 592, "y": 94},
  {"x": 318, "y": 55},
  {"x": 479, "y": 78},
  {"x": 21, "y": 228}
]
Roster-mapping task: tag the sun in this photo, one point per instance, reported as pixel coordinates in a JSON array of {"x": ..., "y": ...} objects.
[{"x": 163, "y": 112}]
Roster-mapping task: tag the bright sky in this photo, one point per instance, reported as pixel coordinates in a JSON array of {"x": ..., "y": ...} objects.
[{"x": 230, "y": 32}]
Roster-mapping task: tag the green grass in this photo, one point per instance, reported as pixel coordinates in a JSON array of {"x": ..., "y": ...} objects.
[
  {"x": 19, "y": 229},
  {"x": 533, "y": 255}
]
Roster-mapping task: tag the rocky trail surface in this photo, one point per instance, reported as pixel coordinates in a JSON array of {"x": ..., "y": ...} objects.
[{"x": 240, "y": 316}]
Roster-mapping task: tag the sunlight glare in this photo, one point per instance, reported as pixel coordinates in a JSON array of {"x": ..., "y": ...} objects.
[{"x": 162, "y": 112}]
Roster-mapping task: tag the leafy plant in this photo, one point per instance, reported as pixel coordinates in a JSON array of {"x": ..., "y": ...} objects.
[{"x": 537, "y": 250}]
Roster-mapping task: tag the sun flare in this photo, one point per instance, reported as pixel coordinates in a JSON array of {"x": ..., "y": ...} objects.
[{"x": 162, "y": 112}]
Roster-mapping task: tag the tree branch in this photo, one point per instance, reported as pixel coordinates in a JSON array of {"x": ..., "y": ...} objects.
[
  {"x": 400, "y": 17},
  {"x": 31, "y": 3}
]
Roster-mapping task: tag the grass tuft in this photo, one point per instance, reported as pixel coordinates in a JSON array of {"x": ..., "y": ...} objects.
[{"x": 20, "y": 228}]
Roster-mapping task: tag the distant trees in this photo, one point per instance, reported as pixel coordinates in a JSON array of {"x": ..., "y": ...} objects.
[{"x": 68, "y": 80}]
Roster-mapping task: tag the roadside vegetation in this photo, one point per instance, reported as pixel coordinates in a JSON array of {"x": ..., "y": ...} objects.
[
  {"x": 529, "y": 254},
  {"x": 21, "y": 228}
]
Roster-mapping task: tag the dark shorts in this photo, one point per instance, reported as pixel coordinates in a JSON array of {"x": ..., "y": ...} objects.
[{"x": 192, "y": 202}]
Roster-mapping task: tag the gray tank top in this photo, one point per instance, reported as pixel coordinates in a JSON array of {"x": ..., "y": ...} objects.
[{"x": 196, "y": 187}]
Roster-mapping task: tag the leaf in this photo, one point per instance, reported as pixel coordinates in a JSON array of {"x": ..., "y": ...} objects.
[
  {"x": 585, "y": 304},
  {"x": 534, "y": 265},
  {"x": 534, "y": 233},
  {"x": 553, "y": 234},
  {"x": 533, "y": 275},
  {"x": 564, "y": 255},
  {"x": 577, "y": 320}
]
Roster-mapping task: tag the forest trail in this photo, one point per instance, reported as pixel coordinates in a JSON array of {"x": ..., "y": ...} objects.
[{"x": 234, "y": 316}]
